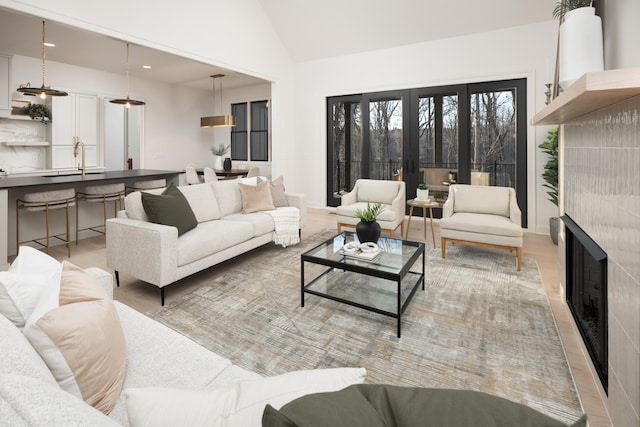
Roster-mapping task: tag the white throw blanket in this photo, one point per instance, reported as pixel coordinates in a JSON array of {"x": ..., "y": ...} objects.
[{"x": 287, "y": 220}]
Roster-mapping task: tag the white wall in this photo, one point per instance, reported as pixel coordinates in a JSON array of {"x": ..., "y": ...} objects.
[
  {"x": 527, "y": 51},
  {"x": 621, "y": 34}
]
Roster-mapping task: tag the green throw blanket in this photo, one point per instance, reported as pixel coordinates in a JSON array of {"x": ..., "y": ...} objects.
[{"x": 375, "y": 405}]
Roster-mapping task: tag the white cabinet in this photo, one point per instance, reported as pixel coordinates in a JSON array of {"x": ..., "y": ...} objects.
[{"x": 74, "y": 116}]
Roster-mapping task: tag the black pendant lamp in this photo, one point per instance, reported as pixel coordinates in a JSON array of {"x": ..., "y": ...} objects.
[
  {"x": 42, "y": 91},
  {"x": 127, "y": 102}
]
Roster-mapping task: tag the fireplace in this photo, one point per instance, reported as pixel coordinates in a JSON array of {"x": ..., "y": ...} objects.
[{"x": 586, "y": 268}]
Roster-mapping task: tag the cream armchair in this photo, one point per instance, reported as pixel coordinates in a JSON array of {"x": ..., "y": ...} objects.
[
  {"x": 482, "y": 216},
  {"x": 392, "y": 195}
]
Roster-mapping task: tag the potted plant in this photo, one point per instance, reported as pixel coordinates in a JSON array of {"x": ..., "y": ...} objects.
[
  {"x": 581, "y": 47},
  {"x": 218, "y": 151},
  {"x": 39, "y": 112},
  {"x": 368, "y": 229},
  {"x": 422, "y": 193},
  {"x": 550, "y": 176}
]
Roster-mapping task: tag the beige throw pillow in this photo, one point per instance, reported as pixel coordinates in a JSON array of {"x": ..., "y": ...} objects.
[
  {"x": 277, "y": 192},
  {"x": 77, "y": 332},
  {"x": 256, "y": 198}
]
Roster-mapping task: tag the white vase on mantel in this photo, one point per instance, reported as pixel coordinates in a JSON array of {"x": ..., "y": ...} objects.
[{"x": 581, "y": 48}]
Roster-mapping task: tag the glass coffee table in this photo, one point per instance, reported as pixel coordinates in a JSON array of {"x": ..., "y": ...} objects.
[{"x": 384, "y": 284}]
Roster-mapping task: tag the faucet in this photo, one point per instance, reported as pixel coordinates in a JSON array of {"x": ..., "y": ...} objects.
[{"x": 78, "y": 142}]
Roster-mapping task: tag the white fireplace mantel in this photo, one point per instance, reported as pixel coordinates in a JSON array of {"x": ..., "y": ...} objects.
[{"x": 589, "y": 93}]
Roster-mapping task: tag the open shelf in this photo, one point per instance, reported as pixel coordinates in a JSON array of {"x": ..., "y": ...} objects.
[
  {"x": 589, "y": 93},
  {"x": 26, "y": 143}
]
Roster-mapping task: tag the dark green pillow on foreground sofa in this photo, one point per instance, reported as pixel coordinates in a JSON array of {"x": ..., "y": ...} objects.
[{"x": 374, "y": 405}]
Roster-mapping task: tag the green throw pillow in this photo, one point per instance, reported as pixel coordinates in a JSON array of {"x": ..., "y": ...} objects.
[{"x": 170, "y": 208}]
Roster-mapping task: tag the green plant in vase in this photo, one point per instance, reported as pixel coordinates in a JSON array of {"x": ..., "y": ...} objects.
[
  {"x": 39, "y": 112},
  {"x": 422, "y": 193},
  {"x": 368, "y": 229},
  {"x": 564, "y": 6}
]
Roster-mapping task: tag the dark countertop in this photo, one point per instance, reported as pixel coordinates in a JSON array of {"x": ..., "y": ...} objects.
[{"x": 91, "y": 177}]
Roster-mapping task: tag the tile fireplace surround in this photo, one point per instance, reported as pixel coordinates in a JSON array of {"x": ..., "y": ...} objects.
[{"x": 600, "y": 191}]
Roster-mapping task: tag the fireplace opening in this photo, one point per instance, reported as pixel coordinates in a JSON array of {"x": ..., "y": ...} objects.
[{"x": 586, "y": 267}]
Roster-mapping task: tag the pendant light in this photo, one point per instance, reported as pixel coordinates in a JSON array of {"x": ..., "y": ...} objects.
[
  {"x": 128, "y": 102},
  {"x": 225, "y": 120},
  {"x": 42, "y": 91}
]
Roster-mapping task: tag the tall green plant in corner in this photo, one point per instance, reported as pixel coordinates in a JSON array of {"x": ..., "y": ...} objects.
[{"x": 550, "y": 176}]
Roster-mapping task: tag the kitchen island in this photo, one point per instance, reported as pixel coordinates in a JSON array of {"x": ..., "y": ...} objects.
[{"x": 12, "y": 188}]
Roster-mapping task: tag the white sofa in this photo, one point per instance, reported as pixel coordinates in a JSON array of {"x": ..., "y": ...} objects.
[
  {"x": 154, "y": 252},
  {"x": 482, "y": 216},
  {"x": 162, "y": 366},
  {"x": 392, "y": 195}
]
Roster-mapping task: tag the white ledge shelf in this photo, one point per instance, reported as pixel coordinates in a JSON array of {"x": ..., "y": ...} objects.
[
  {"x": 26, "y": 143},
  {"x": 591, "y": 92}
]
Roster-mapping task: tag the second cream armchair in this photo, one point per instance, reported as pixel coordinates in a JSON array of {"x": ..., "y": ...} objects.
[{"x": 392, "y": 195}]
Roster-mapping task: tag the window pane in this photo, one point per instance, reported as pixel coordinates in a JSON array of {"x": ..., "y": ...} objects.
[
  {"x": 493, "y": 138},
  {"x": 427, "y": 132},
  {"x": 259, "y": 131},
  {"x": 260, "y": 146},
  {"x": 239, "y": 132},
  {"x": 385, "y": 138},
  {"x": 450, "y": 132}
]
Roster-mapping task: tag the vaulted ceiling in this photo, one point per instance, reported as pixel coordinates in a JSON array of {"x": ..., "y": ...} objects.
[
  {"x": 324, "y": 28},
  {"x": 309, "y": 30}
]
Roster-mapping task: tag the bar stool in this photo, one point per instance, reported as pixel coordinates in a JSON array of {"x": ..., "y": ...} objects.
[
  {"x": 100, "y": 194},
  {"x": 46, "y": 201},
  {"x": 146, "y": 185}
]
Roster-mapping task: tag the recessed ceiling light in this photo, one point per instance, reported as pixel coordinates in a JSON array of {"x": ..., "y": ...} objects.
[
  {"x": 146, "y": 67},
  {"x": 49, "y": 44}
]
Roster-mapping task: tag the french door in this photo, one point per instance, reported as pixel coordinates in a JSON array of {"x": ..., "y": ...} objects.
[{"x": 471, "y": 134}]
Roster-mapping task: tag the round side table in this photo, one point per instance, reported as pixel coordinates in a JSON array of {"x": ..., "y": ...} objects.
[{"x": 424, "y": 205}]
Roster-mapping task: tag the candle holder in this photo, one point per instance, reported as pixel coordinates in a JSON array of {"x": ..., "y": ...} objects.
[{"x": 548, "y": 93}]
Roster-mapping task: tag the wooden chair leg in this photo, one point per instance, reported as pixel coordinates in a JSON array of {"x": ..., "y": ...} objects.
[
  {"x": 443, "y": 243},
  {"x": 518, "y": 258}
]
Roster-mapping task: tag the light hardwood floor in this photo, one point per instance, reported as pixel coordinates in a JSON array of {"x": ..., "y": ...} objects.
[{"x": 91, "y": 252}]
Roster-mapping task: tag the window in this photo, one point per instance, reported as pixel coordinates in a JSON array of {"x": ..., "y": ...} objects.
[
  {"x": 250, "y": 136},
  {"x": 468, "y": 133}
]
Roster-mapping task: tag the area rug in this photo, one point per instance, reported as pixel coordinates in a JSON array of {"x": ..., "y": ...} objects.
[{"x": 479, "y": 325}]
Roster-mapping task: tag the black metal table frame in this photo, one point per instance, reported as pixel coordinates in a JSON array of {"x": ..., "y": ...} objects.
[{"x": 361, "y": 269}]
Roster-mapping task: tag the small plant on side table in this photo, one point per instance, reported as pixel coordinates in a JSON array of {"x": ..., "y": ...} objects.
[{"x": 422, "y": 193}]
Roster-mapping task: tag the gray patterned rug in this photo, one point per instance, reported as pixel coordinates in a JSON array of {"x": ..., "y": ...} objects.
[{"x": 480, "y": 325}]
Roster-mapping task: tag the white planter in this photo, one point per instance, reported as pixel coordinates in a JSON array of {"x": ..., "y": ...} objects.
[
  {"x": 422, "y": 194},
  {"x": 217, "y": 162},
  {"x": 581, "y": 48}
]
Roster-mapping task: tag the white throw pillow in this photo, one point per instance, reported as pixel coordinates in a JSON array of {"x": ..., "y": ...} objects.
[
  {"x": 22, "y": 284},
  {"x": 240, "y": 404}
]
